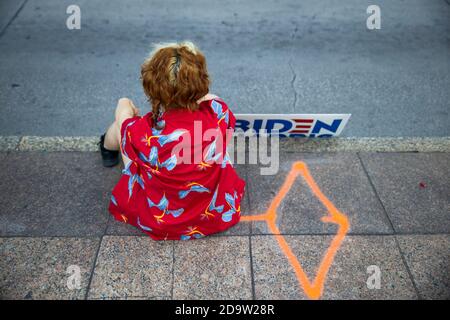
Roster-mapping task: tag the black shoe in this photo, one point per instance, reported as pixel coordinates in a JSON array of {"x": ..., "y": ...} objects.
[{"x": 110, "y": 157}]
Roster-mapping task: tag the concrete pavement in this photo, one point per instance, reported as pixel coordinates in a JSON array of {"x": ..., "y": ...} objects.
[
  {"x": 54, "y": 215},
  {"x": 264, "y": 57}
]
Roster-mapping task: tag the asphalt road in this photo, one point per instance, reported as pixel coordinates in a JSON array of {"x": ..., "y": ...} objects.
[{"x": 264, "y": 57}]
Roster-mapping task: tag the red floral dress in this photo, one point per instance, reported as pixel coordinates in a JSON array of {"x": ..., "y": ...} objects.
[{"x": 180, "y": 183}]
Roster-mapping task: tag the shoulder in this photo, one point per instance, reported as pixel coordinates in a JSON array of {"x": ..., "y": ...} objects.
[
  {"x": 220, "y": 110},
  {"x": 216, "y": 103},
  {"x": 207, "y": 97},
  {"x": 212, "y": 100},
  {"x": 137, "y": 123}
]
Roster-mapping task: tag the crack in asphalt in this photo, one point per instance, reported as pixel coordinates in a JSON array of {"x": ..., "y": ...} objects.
[
  {"x": 2, "y": 32},
  {"x": 294, "y": 77}
]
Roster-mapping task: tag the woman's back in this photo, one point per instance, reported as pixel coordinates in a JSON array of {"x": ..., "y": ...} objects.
[{"x": 180, "y": 183}]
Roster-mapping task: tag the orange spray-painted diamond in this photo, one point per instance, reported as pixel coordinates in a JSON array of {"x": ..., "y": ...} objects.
[{"x": 313, "y": 289}]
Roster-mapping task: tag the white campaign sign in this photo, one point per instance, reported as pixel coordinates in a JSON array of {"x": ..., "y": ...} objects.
[{"x": 293, "y": 125}]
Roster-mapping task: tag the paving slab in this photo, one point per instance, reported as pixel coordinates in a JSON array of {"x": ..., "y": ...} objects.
[
  {"x": 129, "y": 267},
  {"x": 212, "y": 268},
  {"x": 414, "y": 189},
  {"x": 341, "y": 179},
  {"x": 37, "y": 268},
  {"x": 428, "y": 259},
  {"x": 347, "y": 277},
  {"x": 55, "y": 194}
]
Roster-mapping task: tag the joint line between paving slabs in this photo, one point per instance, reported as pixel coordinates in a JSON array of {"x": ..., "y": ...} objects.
[
  {"x": 376, "y": 193},
  {"x": 93, "y": 268},
  {"x": 173, "y": 269},
  {"x": 251, "y": 267},
  {"x": 392, "y": 226},
  {"x": 407, "y": 268},
  {"x": 248, "y": 202},
  {"x": 250, "y": 226}
]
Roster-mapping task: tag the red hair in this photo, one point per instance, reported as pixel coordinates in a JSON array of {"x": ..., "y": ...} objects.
[{"x": 175, "y": 76}]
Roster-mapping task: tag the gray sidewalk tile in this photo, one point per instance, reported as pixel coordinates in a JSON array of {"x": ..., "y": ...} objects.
[
  {"x": 414, "y": 188},
  {"x": 130, "y": 267},
  {"x": 428, "y": 258},
  {"x": 55, "y": 194},
  {"x": 212, "y": 268},
  {"x": 341, "y": 179},
  {"x": 37, "y": 268},
  {"x": 275, "y": 278}
]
